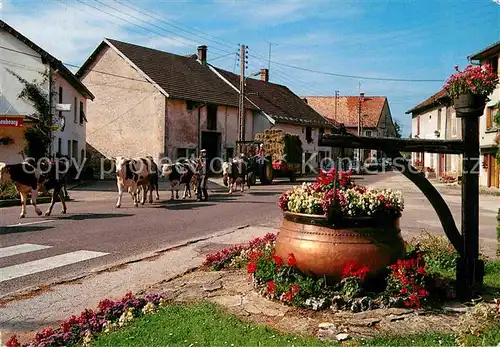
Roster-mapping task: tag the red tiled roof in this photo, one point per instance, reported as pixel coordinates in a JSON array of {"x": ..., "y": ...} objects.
[
  {"x": 279, "y": 102},
  {"x": 431, "y": 101},
  {"x": 347, "y": 109}
]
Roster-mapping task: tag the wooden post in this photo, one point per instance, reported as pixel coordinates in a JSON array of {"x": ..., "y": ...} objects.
[{"x": 470, "y": 270}]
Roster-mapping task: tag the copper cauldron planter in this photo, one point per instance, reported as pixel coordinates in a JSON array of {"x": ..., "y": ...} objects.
[{"x": 322, "y": 249}]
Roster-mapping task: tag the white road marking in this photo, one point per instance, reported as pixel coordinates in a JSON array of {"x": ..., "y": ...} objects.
[
  {"x": 32, "y": 267},
  {"x": 20, "y": 249},
  {"x": 30, "y": 223}
]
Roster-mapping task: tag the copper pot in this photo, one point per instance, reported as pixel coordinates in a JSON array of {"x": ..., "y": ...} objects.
[{"x": 322, "y": 249}]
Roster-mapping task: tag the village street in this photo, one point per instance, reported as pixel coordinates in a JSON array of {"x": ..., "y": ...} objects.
[{"x": 95, "y": 235}]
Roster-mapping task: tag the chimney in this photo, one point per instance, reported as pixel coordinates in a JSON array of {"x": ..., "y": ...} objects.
[
  {"x": 202, "y": 54},
  {"x": 305, "y": 100},
  {"x": 264, "y": 75},
  {"x": 362, "y": 95}
]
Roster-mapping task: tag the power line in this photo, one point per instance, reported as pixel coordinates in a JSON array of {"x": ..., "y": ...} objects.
[{"x": 178, "y": 24}]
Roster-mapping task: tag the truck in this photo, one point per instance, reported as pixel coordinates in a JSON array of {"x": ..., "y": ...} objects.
[{"x": 282, "y": 156}]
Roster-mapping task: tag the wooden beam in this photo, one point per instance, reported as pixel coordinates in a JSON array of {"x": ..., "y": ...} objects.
[
  {"x": 386, "y": 143},
  {"x": 436, "y": 200}
]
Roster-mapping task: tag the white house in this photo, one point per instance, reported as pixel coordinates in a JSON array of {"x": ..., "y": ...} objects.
[
  {"x": 490, "y": 169},
  {"x": 24, "y": 58}
]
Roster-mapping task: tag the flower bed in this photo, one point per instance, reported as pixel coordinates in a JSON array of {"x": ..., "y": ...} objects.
[
  {"x": 406, "y": 284},
  {"x": 81, "y": 330}
]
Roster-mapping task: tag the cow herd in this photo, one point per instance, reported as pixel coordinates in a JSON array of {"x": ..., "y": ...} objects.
[{"x": 138, "y": 176}]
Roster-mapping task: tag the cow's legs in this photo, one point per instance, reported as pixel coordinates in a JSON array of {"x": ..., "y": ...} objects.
[
  {"x": 186, "y": 188},
  {"x": 134, "y": 193},
  {"x": 52, "y": 202},
  {"x": 120, "y": 195},
  {"x": 231, "y": 183},
  {"x": 24, "y": 198},
  {"x": 142, "y": 191},
  {"x": 34, "y": 193},
  {"x": 63, "y": 203},
  {"x": 151, "y": 188}
]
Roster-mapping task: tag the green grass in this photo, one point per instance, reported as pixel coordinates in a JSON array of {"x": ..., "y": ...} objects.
[
  {"x": 203, "y": 324},
  {"x": 430, "y": 339}
]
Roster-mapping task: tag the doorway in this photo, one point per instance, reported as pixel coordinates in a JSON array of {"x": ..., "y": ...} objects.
[{"x": 211, "y": 141}]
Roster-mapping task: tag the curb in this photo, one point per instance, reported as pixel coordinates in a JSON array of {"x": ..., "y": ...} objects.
[
  {"x": 17, "y": 202},
  {"x": 13, "y": 296}
]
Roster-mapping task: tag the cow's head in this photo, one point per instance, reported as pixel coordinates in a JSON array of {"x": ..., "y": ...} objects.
[
  {"x": 167, "y": 169},
  {"x": 4, "y": 174}
]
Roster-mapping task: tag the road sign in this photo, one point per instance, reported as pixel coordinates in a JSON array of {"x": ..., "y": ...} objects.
[{"x": 63, "y": 107}]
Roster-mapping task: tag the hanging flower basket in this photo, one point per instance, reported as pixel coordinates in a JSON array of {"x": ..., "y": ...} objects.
[{"x": 470, "y": 88}]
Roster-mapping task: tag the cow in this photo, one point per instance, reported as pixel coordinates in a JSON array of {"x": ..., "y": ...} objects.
[
  {"x": 182, "y": 172},
  {"x": 30, "y": 180},
  {"x": 151, "y": 184},
  {"x": 234, "y": 173},
  {"x": 132, "y": 173}
]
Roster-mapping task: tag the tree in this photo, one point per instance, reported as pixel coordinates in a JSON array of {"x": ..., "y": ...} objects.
[
  {"x": 397, "y": 128},
  {"x": 38, "y": 136}
]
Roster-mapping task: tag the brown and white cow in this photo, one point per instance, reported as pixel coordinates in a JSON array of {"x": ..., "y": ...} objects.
[
  {"x": 182, "y": 172},
  {"x": 132, "y": 173},
  {"x": 234, "y": 173},
  {"x": 29, "y": 180}
]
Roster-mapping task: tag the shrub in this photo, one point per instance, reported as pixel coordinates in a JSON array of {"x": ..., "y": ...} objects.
[
  {"x": 7, "y": 191},
  {"x": 438, "y": 251},
  {"x": 477, "y": 321}
]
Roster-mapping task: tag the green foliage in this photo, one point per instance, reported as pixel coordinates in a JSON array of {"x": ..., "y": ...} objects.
[
  {"x": 38, "y": 136},
  {"x": 7, "y": 191},
  {"x": 351, "y": 287},
  {"x": 203, "y": 324},
  {"x": 397, "y": 128},
  {"x": 438, "y": 251}
]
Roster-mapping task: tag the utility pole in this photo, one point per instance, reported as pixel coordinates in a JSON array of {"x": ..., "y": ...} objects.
[
  {"x": 336, "y": 101},
  {"x": 241, "y": 104},
  {"x": 269, "y": 63}
]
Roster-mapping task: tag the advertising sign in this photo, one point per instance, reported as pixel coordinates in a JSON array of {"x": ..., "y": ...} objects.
[{"x": 11, "y": 121}]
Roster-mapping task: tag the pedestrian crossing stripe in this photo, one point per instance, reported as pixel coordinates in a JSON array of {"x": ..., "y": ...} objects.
[
  {"x": 41, "y": 265},
  {"x": 20, "y": 249}
]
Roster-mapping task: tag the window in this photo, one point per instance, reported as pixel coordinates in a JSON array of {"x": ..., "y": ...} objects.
[
  {"x": 309, "y": 134},
  {"x": 82, "y": 155},
  {"x": 211, "y": 117},
  {"x": 494, "y": 64},
  {"x": 82, "y": 113},
  {"x": 229, "y": 153},
  {"x": 439, "y": 120},
  {"x": 60, "y": 100},
  {"x": 59, "y": 145},
  {"x": 321, "y": 131},
  {"x": 74, "y": 150},
  {"x": 368, "y": 133},
  {"x": 454, "y": 125},
  {"x": 181, "y": 153},
  {"x": 69, "y": 148},
  {"x": 489, "y": 118},
  {"x": 418, "y": 125},
  {"x": 75, "y": 113}
]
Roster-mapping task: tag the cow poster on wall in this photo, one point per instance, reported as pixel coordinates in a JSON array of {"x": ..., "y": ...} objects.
[{"x": 11, "y": 121}]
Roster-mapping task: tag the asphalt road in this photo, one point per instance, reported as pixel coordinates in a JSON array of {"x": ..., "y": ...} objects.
[
  {"x": 95, "y": 234},
  {"x": 93, "y": 224}
]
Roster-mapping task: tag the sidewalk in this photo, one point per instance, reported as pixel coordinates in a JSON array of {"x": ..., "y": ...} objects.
[{"x": 47, "y": 306}]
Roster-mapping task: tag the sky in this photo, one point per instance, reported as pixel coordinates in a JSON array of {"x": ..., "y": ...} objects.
[{"x": 373, "y": 41}]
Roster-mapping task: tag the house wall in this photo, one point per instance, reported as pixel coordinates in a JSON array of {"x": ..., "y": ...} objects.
[
  {"x": 27, "y": 64},
  {"x": 487, "y": 137},
  {"x": 127, "y": 116},
  {"x": 386, "y": 124},
  {"x": 10, "y": 154},
  {"x": 449, "y": 127},
  {"x": 74, "y": 130}
]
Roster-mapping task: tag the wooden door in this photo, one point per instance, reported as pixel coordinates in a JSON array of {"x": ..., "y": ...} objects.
[
  {"x": 493, "y": 172},
  {"x": 441, "y": 165}
]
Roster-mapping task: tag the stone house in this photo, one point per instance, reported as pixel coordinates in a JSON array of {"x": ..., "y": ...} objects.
[
  {"x": 490, "y": 169},
  {"x": 29, "y": 61},
  {"x": 150, "y": 102},
  {"x": 435, "y": 118},
  {"x": 374, "y": 111}
]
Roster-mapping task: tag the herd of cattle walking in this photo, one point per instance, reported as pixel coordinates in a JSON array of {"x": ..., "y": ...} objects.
[{"x": 138, "y": 176}]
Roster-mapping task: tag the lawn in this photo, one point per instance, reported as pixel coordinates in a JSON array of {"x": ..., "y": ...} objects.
[
  {"x": 206, "y": 324},
  {"x": 202, "y": 324}
]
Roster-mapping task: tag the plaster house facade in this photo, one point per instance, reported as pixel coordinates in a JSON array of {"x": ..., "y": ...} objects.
[
  {"x": 376, "y": 118},
  {"x": 435, "y": 118},
  {"x": 150, "y": 102},
  {"x": 24, "y": 58},
  {"x": 490, "y": 169}
]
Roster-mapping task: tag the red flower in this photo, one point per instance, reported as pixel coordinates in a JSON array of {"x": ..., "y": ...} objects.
[
  {"x": 277, "y": 260},
  {"x": 295, "y": 289},
  {"x": 251, "y": 267},
  {"x": 12, "y": 342},
  {"x": 291, "y": 260},
  {"x": 270, "y": 287},
  {"x": 287, "y": 297}
]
